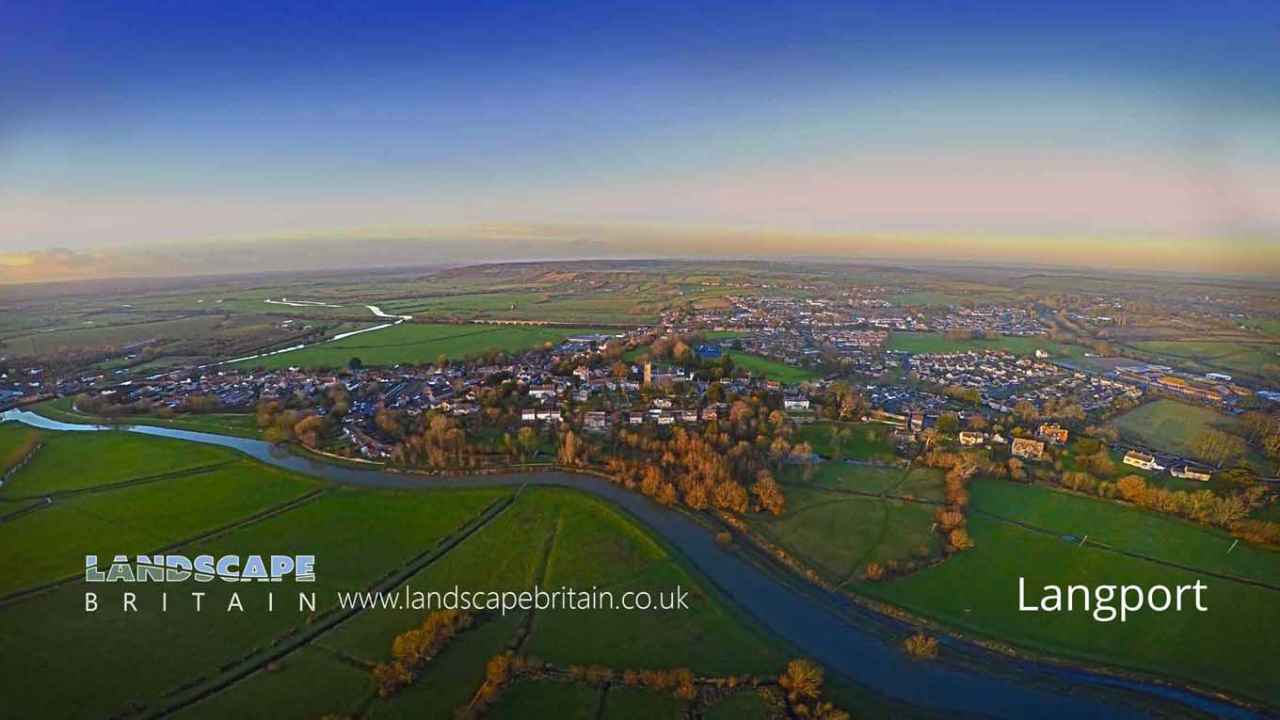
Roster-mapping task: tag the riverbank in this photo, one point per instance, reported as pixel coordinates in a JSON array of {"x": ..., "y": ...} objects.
[{"x": 831, "y": 629}]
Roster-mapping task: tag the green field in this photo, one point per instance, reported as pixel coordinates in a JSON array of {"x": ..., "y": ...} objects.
[
  {"x": 112, "y": 335},
  {"x": 1146, "y": 533},
  {"x": 56, "y": 538},
  {"x": 615, "y": 306},
  {"x": 746, "y": 703},
  {"x": 60, "y": 464},
  {"x": 772, "y": 369},
  {"x": 1170, "y": 425},
  {"x": 14, "y": 439},
  {"x": 238, "y": 424},
  {"x": 927, "y": 297},
  {"x": 1226, "y": 647},
  {"x": 550, "y": 537},
  {"x": 1254, "y": 358},
  {"x": 857, "y": 441},
  {"x": 932, "y": 342},
  {"x": 198, "y": 334},
  {"x": 549, "y": 699},
  {"x": 1266, "y": 326},
  {"x": 837, "y": 532},
  {"x": 412, "y": 343}
]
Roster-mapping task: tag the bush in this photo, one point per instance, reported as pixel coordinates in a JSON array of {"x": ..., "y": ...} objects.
[{"x": 921, "y": 646}]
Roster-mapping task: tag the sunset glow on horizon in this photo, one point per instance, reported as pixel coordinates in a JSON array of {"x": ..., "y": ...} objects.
[{"x": 1119, "y": 134}]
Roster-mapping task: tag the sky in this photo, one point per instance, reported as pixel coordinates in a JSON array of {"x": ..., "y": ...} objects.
[{"x": 1087, "y": 133}]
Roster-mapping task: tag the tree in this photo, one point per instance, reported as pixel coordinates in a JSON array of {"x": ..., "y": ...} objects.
[
  {"x": 666, "y": 494},
  {"x": 276, "y": 435},
  {"x": 570, "y": 449},
  {"x": 921, "y": 646},
  {"x": 1015, "y": 469},
  {"x": 959, "y": 540},
  {"x": 527, "y": 441},
  {"x": 1132, "y": 488},
  {"x": 1218, "y": 447},
  {"x": 768, "y": 493},
  {"x": 1025, "y": 410},
  {"x": 802, "y": 680},
  {"x": 929, "y": 436},
  {"x": 653, "y": 480},
  {"x": 354, "y": 364},
  {"x": 308, "y": 430},
  {"x": 838, "y": 437},
  {"x": 730, "y": 496}
]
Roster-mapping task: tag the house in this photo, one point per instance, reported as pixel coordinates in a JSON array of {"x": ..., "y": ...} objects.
[
  {"x": 969, "y": 439},
  {"x": 666, "y": 419},
  {"x": 1027, "y": 448},
  {"x": 635, "y": 418},
  {"x": 1187, "y": 472},
  {"x": 709, "y": 413},
  {"x": 542, "y": 391},
  {"x": 1141, "y": 460},
  {"x": 595, "y": 421},
  {"x": 1053, "y": 433},
  {"x": 795, "y": 403}
]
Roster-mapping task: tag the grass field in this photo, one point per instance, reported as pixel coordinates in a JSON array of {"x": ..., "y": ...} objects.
[
  {"x": 918, "y": 343},
  {"x": 616, "y": 307},
  {"x": 1254, "y": 358},
  {"x": 136, "y": 519},
  {"x": 746, "y": 703},
  {"x": 61, "y": 465},
  {"x": 112, "y": 335},
  {"x": 356, "y": 536},
  {"x": 551, "y": 537},
  {"x": 1266, "y": 326},
  {"x": 194, "y": 334},
  {"x": 238, "y": 424},
  {"x": 527, "y": 699},
  {"x": 838, "y": 533},
  {"x": 1170, "y": 425},
  {"x": 14, "y": 443},
  {"x": 858, "y": 441},
  {"x": 412, "y": 343},
  {"x": 1146, "y": 533},
  {"x": 772, "y": 369},
  {"x": 1226, "y": 647},
  {"x": 928, "y": 297}
]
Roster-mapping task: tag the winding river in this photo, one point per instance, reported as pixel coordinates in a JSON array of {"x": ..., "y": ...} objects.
[{"x": 828, "y": 627}]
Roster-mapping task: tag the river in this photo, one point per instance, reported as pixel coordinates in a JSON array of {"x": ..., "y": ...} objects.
[{"x": 828, "y": 627}]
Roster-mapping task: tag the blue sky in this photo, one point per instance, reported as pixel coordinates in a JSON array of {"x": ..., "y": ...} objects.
[{"x": 167, "y": 122}]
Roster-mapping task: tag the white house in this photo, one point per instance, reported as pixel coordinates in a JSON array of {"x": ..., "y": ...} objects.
[{"x": 1141, "y": 460}]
